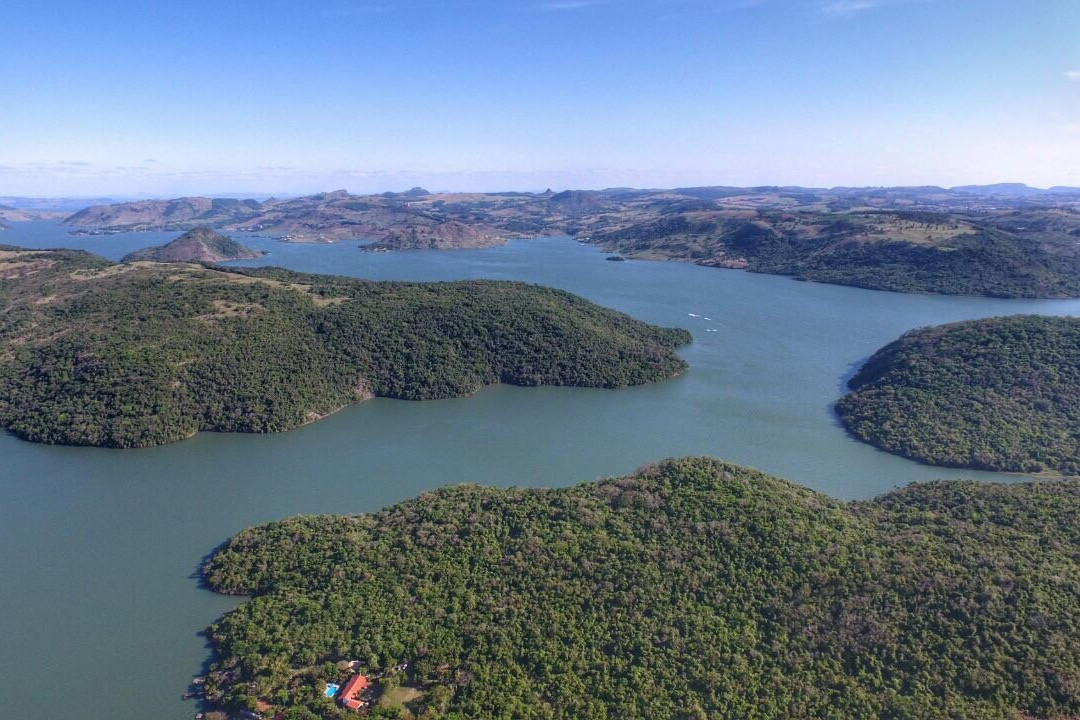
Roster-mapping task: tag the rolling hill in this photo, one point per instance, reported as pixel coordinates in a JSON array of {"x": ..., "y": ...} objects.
[{"x": 143, "y": 353}]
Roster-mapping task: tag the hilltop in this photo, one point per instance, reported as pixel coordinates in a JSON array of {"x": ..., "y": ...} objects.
[
  {"x": 198, "y": 245},
  {"x": 1009, "y": 255},
  {"x": 693, "y": 589},
  {"x": 994, "y": 394},
  {"x": 179, "y": 214},
  {"x": 1008, "y": 240},
  {"x": 143, "y": 353},
  {"x": 9, "y": 214}
]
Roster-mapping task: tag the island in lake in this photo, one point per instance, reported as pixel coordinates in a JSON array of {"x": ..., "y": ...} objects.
[
  {"x": 694, "y": 589},
  {"x": 999, "y": 240},
  {"x": 197, "y": 245},
  {"x": 995, "y": 394},
  {"x": 142, "y": 353}
]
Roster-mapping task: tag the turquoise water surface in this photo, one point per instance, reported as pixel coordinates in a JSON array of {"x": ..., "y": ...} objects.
[{"x": 99, "y": 549}]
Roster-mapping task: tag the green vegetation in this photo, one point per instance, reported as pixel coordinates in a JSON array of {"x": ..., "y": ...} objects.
[
  {"x": 693, "y": 589},
  {"x": 996, "y": 394},
  {"x": 1008, "y": 241},
  {"x": 399, "y": 698},
  {"x": 898, "y": 251},
  {"x": 134, "y": 354}
]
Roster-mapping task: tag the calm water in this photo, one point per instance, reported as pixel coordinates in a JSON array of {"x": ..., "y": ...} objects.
[{"x": 98, "y": 547}]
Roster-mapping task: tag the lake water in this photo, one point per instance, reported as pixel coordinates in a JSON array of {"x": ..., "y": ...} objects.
[{"x": 100, "y": 608}]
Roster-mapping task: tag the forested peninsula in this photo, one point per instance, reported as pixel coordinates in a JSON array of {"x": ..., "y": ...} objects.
[
  {"x": 143, "y": 353},
  {"x": 912, "y": 252},
  {"x": 995, "y": 394},
  {"x": 693, "y": 589}
]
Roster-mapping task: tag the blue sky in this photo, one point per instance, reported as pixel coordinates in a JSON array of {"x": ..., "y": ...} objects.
[{"x": 142, "y": 98}]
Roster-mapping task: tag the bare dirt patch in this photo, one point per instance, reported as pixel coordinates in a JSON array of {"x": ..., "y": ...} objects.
[
  {"x": 21, "y": 268},
  {"x": 110, "y": 271},
  {"x": 230, "y": 308},
  {"x": 916, "y": 233},
  {"x": 10, "y": 254},
  {"x": 362, "y": 391}
]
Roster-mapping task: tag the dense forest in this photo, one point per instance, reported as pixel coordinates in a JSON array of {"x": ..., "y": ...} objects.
[
  {"x": 693, "y": 589},
  {"x": 124, "y": 355},
  {"x": 995, "y": 394}
]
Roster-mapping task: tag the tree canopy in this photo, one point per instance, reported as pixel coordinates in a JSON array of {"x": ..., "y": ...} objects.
[
  {"x": 142, "y": 353},
  {"x": 692, "y": 589},
  {"x": 914, "y": 252},
  {"x": 994, "y": 394}
]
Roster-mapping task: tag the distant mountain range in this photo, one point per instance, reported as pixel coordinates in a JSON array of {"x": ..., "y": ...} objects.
[
  {"x": 391, "y": 220},
  {"x": 1006, "y": 239},
  {"x": 181, "y": 213},
  {"x": 413, "y": 218},
  {"x": 53, "y": 205},
  {"x": 12, "y": 214},
  {"x": 1015, "y": 189}
]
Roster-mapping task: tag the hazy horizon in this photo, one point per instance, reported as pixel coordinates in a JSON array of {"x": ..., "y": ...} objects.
[
  {"x": 263, "y": 196},
  {"x": 129, "y": 100}
]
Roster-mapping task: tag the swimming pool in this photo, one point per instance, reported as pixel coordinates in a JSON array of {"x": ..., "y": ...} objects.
[{"x": 331, "y": 690}]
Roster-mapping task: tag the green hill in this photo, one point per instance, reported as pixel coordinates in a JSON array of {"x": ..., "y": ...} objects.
[
  {"x": 919, "y": 252},
  {"x": 694, "y": 589},
  {"x": 996, "y": 394},
  {"x": 142, "y": 353}
]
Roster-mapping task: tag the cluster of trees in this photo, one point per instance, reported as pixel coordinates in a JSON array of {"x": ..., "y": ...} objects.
[
  {"x": 994, "y": 394},
  {"x": 694, "y": 589},
  {"x": 127, "y": 356},
  {"x": 839, "y": 248},
  {"x": 982, "y": 263}
]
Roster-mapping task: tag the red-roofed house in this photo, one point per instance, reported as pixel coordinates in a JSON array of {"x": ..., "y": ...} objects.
[{"x": 350, "y": 694}]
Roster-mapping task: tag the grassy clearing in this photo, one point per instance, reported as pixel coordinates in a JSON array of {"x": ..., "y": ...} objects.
[{"x": 398, "y": 698}]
